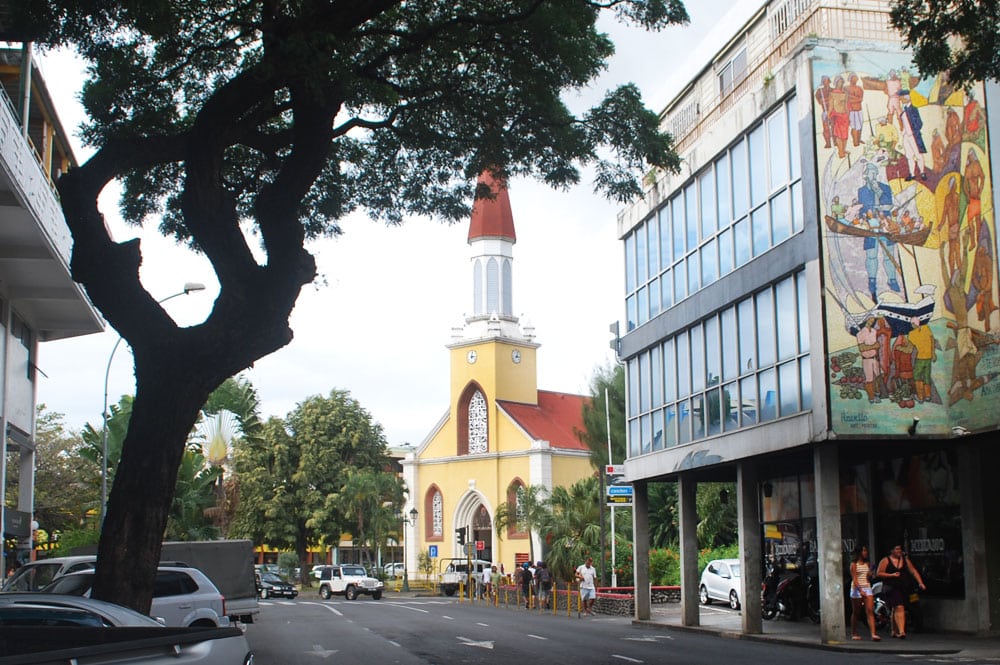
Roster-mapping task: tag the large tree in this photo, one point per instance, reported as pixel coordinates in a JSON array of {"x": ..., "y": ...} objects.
[
  {"x": 959, "y": 37},
  {"x": 66, "y": 492},
  {"x": 225, "y": 119},
  {"x": 605, "y": 406}
]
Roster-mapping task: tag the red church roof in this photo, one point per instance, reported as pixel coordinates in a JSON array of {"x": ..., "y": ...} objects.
[
  {"x": 556, "y": 419},
  {"x": 492, "y": 218}
]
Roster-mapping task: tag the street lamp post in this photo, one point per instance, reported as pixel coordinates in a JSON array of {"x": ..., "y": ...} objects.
[
  {"x": 411, "y": 520},
  {"x": 189, "y": 287}
]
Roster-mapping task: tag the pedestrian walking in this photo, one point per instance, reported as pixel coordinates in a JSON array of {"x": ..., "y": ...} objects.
[
  {"x": 544, "y": 578},
  {"x": 587, "y": 576},
  {"x": 525, "y": 579}
]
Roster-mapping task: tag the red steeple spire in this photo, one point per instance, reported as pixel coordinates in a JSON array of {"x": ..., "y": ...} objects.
[{"x": 492, "y": 218}]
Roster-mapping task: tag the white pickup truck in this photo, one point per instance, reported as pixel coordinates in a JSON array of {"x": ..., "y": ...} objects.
[
  {"x": 347, "y": 580},
  {"x": 456, "y": 571}
]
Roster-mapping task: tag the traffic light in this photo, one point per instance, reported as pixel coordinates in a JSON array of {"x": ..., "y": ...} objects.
[{"x": 460, "y": 533}]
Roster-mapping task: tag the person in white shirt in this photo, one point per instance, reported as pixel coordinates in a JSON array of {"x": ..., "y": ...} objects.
[
  {"x": 587, "y": 576},
  {"x": 486, "y": 590}
]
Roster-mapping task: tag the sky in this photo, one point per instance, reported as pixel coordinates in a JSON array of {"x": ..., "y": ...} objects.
[{"x": 379, "y": 316}]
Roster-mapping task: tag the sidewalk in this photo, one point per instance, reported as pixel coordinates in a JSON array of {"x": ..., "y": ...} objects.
[{"x": 724, "y": 622}]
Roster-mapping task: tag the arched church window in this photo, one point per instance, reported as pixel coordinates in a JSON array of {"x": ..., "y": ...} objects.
[
  {"x": 477, "y": 288},
  {"x": 492, "y": 287},
  {"x": 508, "y": 289},
  {"x": 517, "y": 527},
  {"x": 478, "y": 431},
  {"x": 434, "y": 513}
]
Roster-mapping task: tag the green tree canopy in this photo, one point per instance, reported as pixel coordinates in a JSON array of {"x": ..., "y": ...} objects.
[
  {"x": 525, "y": 513},
  {"x": 959, "y": 37},
  {"x": 607, "y": 401},
  {"x": 228, "y": 120},
  {"x": 66, "y": 492}
]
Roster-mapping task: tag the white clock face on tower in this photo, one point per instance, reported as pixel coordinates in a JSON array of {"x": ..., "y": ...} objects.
[
  {"x": 515, "y": 355},
  {"x": 471, "y": 356}
]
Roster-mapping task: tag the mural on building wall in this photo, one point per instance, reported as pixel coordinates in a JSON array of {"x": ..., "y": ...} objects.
[{"x": 909, "y": 246}]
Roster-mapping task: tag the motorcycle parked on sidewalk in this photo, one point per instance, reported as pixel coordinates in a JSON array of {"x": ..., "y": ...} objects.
[
  {"x": 883, "y": 613},
  {"x": 782, "y": 593}
]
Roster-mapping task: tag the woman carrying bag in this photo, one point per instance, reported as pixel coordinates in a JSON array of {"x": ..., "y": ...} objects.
[{"x": 898, "y": 574}]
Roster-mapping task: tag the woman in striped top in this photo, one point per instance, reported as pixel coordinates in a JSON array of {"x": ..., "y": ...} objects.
[{"x": 861, "y": 593}]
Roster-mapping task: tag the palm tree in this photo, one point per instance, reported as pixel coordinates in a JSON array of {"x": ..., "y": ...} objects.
[
  {"x": 525, "y": 513},
  {"x": 571, "y": 527},
  {"x": 368, "y": 499}
]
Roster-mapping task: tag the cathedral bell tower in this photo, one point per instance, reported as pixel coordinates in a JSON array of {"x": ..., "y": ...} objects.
[{"x": 491, "y": 348}]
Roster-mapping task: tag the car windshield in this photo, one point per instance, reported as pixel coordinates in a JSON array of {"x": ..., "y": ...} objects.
[
  {"x": 77, "y": 584},
  {"x": 31, "y": 577},
  {"x": 352, "y": 570},
  {"x": 735, "y": 567},
  {"x": 271, "y": 578}
]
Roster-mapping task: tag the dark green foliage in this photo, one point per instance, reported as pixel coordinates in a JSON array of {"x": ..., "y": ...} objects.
[
  {"x": 959, "y": 37},
  {"x": 595, "y": 418}
]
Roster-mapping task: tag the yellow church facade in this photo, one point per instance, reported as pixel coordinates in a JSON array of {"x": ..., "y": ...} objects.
[{"x": 500, "y": 432}]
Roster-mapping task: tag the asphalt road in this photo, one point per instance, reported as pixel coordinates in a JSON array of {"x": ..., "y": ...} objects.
[{"x": 443, "y": 631}]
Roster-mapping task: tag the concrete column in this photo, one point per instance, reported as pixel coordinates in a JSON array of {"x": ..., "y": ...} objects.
[
  {"x": 751, "y": 545},
  {"x": 973, "y": 542},
  {"x": 826, "y": 470},
  {"x": 640, "y": 554},
  {"x": 688, "y": 511}
]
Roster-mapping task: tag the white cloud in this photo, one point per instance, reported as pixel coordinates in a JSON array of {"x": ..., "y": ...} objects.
[{"x": 379, "y": 324}]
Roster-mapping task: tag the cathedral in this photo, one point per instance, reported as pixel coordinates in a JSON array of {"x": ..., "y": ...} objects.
[{"x": 500, "y": 432}]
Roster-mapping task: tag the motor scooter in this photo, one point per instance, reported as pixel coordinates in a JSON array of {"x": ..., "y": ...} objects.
[
  {"x": 782, "y": 593},
  {"x": 883, "y": 613}
]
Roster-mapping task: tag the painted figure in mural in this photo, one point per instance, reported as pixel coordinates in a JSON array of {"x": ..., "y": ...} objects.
[
  {"x": 868, "y": 347},
  {"x": 972, "y": 184},
  {"x": 839, "y": 116},
  {"x": 982, "y": 281},
  {"x": 902, "y": 369},
  {"x": 876, "y": 199},
  {"x": 838, "y": 210},
  {"x": 823, "y": 99},
  {"x": 951, "y": 222},
  {"x": 855, "y": 99},
  {"x": 922, "y": 339},
  {"x": 894, "y": 108},
  {"x": 952, "y": 128},
  {"x": 913, "y": 142},
  {"x": 938, "y": 156},
  {"x": 973, "y": 121}
]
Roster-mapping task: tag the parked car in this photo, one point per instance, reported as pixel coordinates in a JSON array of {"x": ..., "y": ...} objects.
[
  {"x": 347, "y": 580},
  {"x": 721, "y": 581},
  {"x": 39, "y": 620},
  {"x": 269, "y": 584},
  {"x": 36, "y": 574},
  {"x": 393, "y": 570},
  {"x": 182, "y": 596}
]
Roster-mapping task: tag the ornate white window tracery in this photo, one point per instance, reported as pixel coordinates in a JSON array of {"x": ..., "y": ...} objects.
[
  {"x": 478, "y": 432},
  {"x": 437, "y": 511}
]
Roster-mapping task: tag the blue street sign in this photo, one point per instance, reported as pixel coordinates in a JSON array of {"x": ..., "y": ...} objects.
[
  {"x": 432, "y": 550},
  {"x": 620, "y": 490}
]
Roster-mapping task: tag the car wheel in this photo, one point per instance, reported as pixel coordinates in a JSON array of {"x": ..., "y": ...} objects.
[
  {"x": 350, "y": 593},
  {"x": 293, "y": 594},
  {"x": 703, "y": 596},
  {"x": 324, "y": 592},
  {"x": 263, "y": 593},
  {"x": 377, "y": 595},
  {"x": 448, "y": 591},
  {"x": 734, "y": 600}
]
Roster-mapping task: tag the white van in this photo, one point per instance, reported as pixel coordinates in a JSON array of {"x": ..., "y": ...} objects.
[{"x": 36, "y": 574}]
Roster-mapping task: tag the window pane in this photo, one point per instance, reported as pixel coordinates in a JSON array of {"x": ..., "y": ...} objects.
[
  {"x": 723, "y": 197},
  {"x": 677, "y": 226},
  {"x": 777, "y": 141},
  {"x": 633, "y": 438},
  {"x": 691, "y": 215},
  {"x": 726, "y": 258},
  {"x": 694, "y": 278},
  {"x": 653, "y": 245},
  {"x": 656, "y": 378},
  {"x": 646, "y": 428},
  {"x": 643, "y": 306},
  {"x": 761, "y": 230},
  {"x": 643, "y": 382},
  {"x": 666, "y": 290},
  {"x": 793, "y": 139},
  {"x": 632, "y": 312},
  {"x": 670, "y": 427},
  {"x": 680, "y": 281},
  {"x": 706, "y": 187},
  {"x": 788, "y": 385},
  {"x": 748, "y": 400},
  {"x": 758, "y": 166},
  {"x": 768, "y": 396},
  {"x": 697, "y": 417},
  {"x": 654, "y": 298},
  {"x": 788, "y": 338},
  {"x": 630, "y": 263},
  {"x": 709, "y": 262},
  {"x": 798, "y": 218},
  {"x": 803, "y": 312},
  {"x": 658, "y": 430},
  {"x": 731, "y": 406},
  {"x": 683, "y": 365},
  {"x": 741, "y": 199},
  {"x": 781, "y": 220},
  {"x": 713, "y": 354},
  {"x": 697, "y": 338},
  {"x": 669, "y": 372},
  {"x": 765, "y": 328},
  {"x": 741, "y": 240},
  {"x": 747, "y": 337},
  {"x": 633, "y": 387},
  {"x": 805, "y": 382},
  {"x": 665, "y": 257},
  {"x": 684, "y": 426},
  {"x": 713, "y": 407},
  {"x": 641, "y": 259},
  {"x": 730, "y": 354}
]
